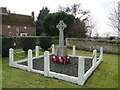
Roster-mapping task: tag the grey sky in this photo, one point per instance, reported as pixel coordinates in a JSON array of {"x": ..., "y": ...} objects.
[{"x": 99, "y": 9}]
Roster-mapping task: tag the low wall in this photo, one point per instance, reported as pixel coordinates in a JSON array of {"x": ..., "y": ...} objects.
[{"x": 109, "y": 46}]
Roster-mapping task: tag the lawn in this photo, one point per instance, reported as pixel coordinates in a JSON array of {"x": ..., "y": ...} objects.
[
  {"x": 105, "y": 76},
  {"x": 0, "y": 73}
]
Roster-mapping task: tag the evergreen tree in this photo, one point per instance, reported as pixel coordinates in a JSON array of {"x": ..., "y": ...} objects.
[
  {"x": 51, "y": 20},
  {"x": 44, "y": 12}
]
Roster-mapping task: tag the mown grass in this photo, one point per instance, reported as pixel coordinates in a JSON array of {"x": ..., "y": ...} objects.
[
  {"x": 105, "y": 76},
  {"x": 18, "y": 50},
  {"x": 0, "y": 72}
]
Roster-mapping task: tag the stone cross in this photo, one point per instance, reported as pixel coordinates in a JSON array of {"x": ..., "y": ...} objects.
[{"x": 61, "y": 26}]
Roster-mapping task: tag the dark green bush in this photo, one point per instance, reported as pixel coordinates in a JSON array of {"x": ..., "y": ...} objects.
[
  {"x": 28, "y": 43},
  {"x": 45, "y": 42},
  {"x": 111, "y": 38},
  {"x": 18, "y": 41},
  {"x": 7, "y": 43}
]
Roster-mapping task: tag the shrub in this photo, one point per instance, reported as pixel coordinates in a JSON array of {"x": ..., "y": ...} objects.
[
  {"x": 111, "y": 38},
  {"x": 7, "y": 43},
  {"x": 18, "y": 41},
  {"x": 45, "y": 42},
  {"x": 28, "y": 43}
]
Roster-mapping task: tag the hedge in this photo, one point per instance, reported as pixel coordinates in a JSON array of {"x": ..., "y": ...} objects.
[
  {"x": 7, "y": 43},
  {"x": 18, "y": 42},
  {"x": 28, "y": 43},
  {"x": 45, "y": 42}
]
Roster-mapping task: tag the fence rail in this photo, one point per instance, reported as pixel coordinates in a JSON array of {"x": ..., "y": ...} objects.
[{"x": 82, "y": 76}]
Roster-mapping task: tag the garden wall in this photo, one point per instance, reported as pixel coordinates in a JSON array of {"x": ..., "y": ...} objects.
[{"x": 109, "y": 46}]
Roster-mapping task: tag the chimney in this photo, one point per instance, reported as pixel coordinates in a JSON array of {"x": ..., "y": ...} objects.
[
  {"x": 3, "y": 10},
  {"x": 32, "y": 14}
]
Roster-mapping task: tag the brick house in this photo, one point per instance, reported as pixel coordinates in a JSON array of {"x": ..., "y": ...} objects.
[{"x": 17, "y": 24}]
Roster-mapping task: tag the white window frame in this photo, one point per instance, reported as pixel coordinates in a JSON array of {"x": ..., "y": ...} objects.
[
  {"x": 23, "y": 34},
  {"x": 25, "y": 27},
  {"x": 8, "y": 26},
  {"x": 17, "y": 30}
]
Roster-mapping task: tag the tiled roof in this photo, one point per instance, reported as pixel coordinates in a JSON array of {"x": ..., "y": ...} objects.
[{"x": 18, "y": 19}]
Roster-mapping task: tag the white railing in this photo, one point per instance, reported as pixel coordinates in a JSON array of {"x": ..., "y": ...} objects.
[{"x": 82, "y": 76}]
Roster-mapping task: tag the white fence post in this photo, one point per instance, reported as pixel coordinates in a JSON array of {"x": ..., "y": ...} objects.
[
  {"x": 37, "y": 51},
  {"x": 46, "y": 63},
  {"x": 66, "y": 41},
  {"x": 101, "y": 53},
  {"x": 11, "y": 57},
  {"x": 94, "y": 58},
  {"x": 74, "y": 51},
  {"x": 53, "y": 49},
  {"x": 30, "y": 63},
  {"x": 81, "y": 70}
]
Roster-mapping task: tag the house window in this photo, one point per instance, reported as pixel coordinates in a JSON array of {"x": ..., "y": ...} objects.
[
  {"x": 8, "y": 27},
  {"x": 25, "y": 27},
  {"x": 23, "y": 34},
  {"x": 17, "y": 31}
]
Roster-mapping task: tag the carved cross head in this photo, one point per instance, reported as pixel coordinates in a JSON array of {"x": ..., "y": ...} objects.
[{"x": 61, "y": 25}]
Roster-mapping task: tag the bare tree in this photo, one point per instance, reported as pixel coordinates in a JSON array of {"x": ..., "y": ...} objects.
[
  {"x": 76, "y": 10},
  {"x": 115, "y": 17},
  {"x": 96, "y": 34},
  {"x": 82, "y": 15},
  {"x": 107, "y": 34},
  {"x": 91, "y": 24}
]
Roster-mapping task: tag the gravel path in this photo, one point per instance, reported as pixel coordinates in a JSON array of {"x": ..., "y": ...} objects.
[{"x": 68, "y": 69}]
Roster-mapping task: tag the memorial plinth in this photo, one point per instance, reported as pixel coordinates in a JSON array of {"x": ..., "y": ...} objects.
[
  {"x": 61, "y": 56},
  {"x": 61, "y": 49}
]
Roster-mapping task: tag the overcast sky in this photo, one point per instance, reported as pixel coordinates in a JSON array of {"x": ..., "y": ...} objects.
[{"x": 99, "y": 9}]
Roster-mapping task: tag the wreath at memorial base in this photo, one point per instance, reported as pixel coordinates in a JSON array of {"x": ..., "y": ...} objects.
[{"x": 60, "y": 59}]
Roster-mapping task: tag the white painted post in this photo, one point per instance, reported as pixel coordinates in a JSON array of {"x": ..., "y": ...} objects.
[
  {"x": 53, "y": 49},
  {"x": 66, "y": 41},
  {"x": 81, "y": 70},
  {"x": 30, "y": 63},
  {"x": 94, "y": 57},
  {"x": 101, "y": 53},
  {"x": 11, "y": 57},
  {"x": 46, "y": 63},
  {"x": 74, "y": 51},
  {"x": 37, "y": 51}
]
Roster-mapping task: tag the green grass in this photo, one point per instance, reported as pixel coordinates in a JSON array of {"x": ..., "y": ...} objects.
[
  {"x": 23, "y": 55},
  {"x": 18, "y": 50},
  {"x": 105, "y": 76},
  {"x": 0, "y": 73}
]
